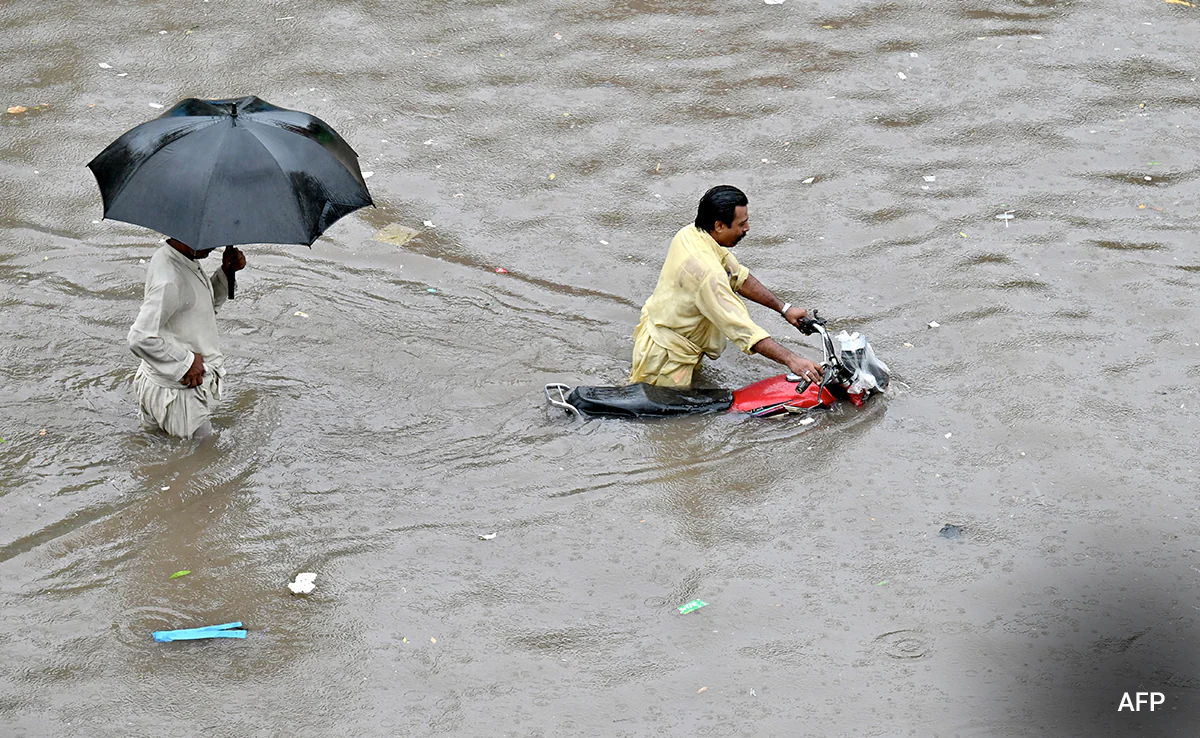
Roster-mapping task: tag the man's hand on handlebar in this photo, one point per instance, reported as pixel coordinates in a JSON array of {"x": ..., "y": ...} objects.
[
  {"x": 809, "y": 371},
  {"x": 794, "y": 315},
  {"x": 807, "y": 324}
]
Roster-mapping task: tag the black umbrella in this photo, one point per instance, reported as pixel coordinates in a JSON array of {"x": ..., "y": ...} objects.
[{"x": 224, "y": 172}]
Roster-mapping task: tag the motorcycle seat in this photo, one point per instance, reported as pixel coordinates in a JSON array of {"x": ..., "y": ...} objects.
[{"x": 647, "y": 401}]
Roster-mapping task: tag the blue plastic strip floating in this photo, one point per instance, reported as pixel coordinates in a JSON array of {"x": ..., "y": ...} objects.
[{"x": 225, "y": 630}]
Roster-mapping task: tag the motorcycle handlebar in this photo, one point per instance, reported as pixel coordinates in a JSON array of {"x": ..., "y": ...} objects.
[{"x": 808, "y": 326}]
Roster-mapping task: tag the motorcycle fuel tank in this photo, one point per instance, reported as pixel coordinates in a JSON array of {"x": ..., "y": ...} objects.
[{"x": 777, "y": 394}]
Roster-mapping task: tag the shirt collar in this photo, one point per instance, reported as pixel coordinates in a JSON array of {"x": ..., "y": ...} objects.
[
  {"x": 191, "y": 265},
  {"x": 178, "y": 257},
  {"x": 707, "y": 239}
]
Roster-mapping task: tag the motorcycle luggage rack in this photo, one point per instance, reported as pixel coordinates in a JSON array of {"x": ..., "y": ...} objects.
[{"x": 561, "y": 401}]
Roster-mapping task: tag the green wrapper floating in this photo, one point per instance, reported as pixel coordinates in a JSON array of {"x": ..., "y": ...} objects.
[{"x": 693, "y": 605}]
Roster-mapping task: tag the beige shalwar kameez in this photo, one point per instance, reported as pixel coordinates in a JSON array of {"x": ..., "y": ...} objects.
[
  {"x": 178, "y": 319},
  {"x": 692, "y": 312}
]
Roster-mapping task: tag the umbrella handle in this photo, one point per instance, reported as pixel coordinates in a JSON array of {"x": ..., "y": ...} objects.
[{"x": 230, "y": 274}]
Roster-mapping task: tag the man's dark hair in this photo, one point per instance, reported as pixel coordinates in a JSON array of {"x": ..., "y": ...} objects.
[{"x": 719, "y": 204}]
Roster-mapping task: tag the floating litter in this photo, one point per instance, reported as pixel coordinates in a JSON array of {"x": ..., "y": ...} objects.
[
  {"x": 692, "y": 606},
  {"x": 225, "y": 630},
  {"x": 950, "y": 530},
  {"x": 305, "y": 583},
  {"x": 395, "y": 234}
]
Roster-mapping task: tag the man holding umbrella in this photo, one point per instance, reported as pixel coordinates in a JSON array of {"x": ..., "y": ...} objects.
[
  {"x": 211, "y": 173},
  {"x": 175, "y": 335}
]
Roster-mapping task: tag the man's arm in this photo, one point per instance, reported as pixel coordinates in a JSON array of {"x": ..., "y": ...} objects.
[
  {"x": 772, "y": 349},
  {"x": 232, "y": 260},
  {"x": 165, "y": 357},
  {"x": 716, "y": 301},
  {"x": 754, "y": 290}
]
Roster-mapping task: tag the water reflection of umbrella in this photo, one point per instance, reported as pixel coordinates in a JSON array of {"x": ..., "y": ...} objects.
[{"x": 224, "y": 172}]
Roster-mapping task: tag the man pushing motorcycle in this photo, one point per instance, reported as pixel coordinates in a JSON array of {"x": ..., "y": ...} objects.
[{"x": 695, "y": 307}]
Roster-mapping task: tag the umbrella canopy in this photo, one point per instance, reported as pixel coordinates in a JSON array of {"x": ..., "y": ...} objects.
[{"x": 223, "y": 172}]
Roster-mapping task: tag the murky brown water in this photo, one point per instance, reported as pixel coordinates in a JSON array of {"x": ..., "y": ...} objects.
[{"x": 375, "y": 440}]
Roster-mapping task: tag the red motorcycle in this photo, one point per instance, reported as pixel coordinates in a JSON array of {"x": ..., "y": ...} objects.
[{"x": 852, "y": 373}]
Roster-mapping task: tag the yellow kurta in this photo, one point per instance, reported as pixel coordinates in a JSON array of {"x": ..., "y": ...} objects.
[{"x": 692, "y": 312}]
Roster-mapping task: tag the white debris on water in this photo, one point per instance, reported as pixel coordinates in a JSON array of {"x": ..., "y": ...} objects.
[
  {"x": 934, "y": 324},
  {"x": 305, "y": 583}
]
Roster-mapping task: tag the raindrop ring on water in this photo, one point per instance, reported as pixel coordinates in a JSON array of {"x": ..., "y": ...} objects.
[{"x": 904, "y": 644}]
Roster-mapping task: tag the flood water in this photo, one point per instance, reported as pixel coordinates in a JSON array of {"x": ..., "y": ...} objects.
[{"x": 1052, "y": 415}]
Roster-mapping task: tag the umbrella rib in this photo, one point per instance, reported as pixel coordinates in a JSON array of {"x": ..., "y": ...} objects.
[
  {"x": 164, "y": 142},
  {"x": 216, "y": 159},
  {"x": 295, "y": 195}
]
